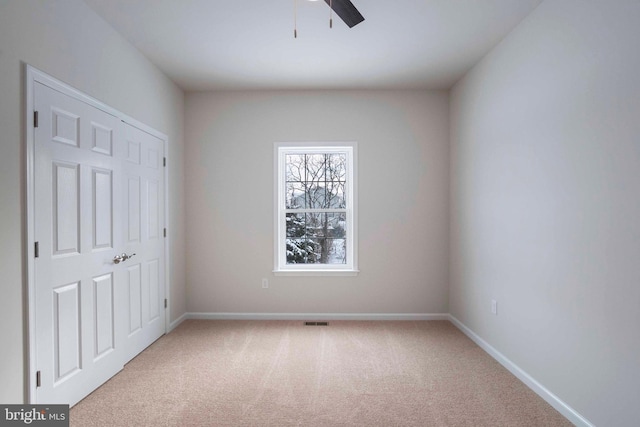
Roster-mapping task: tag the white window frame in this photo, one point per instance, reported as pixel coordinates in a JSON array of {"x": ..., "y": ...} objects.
[{"x": 350, "y": 268}]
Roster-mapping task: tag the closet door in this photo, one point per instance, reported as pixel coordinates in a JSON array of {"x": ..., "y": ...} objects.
[
  {"x": 79, "y": 289},
  {"x": 143, "y": 235},
  {"x": 99, "y": 221}
]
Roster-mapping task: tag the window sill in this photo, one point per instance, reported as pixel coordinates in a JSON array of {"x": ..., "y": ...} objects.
[{"x": 316, "y": 272}]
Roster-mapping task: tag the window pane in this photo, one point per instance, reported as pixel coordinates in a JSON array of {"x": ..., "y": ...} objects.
[
  {"x": 337, "y": 251},
  {"x": 296, "y": 225},
  {"x": 296, "y": 253},
  {"x": 326, "y": 225},
  {"x": 336, "y": 177},
  {"x": 302, "y": 251},
  {"x": 337, "y": 225},
  {"x": 327, "y": 251},
  {"x": 295, "y": 167},
  {"x": 315, "y": 197},
  {"x": 315, "y": 165},
  {"x": 336, "y": 197},
  {"x": 336, "y": 167},
  {"x": 295, "y": 197},
  {"x": 314, "y": 224}
]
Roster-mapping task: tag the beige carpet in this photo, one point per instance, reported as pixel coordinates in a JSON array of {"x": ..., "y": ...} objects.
[{"x": 282, "y": 373}]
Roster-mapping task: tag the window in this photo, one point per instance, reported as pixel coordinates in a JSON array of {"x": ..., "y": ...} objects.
[{"x": 315, "y": 213}]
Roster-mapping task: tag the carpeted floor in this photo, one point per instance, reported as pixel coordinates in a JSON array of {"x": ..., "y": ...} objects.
[{"x": 282, "y": 373}]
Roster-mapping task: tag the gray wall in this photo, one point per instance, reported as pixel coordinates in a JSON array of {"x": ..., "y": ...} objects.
[
  {"x": 546, "y": 201},
  {"x": 67, "y": 40},
  {"x": 403, "y": 200}
]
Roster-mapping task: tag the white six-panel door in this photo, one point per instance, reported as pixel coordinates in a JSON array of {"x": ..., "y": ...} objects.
[
  {"x": 99, "y": 192},
  {"x": 143, "y": 234}
]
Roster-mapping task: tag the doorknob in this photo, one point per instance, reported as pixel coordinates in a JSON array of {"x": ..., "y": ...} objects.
[{"x": 121, "y": 258}]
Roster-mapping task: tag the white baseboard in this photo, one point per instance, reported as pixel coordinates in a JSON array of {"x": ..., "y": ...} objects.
[
  {"x": 527, "y": 379},
  {"x": 318, "y": 316},
  {"x": 177, "y": 322}
]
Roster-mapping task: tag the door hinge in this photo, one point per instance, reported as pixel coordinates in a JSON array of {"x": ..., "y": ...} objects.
[
  {"x": 165, "y": 232},
  {"x": 36, "y": 249},
  {"x": 165, "y": 303},
  {"x": 164, "y": 162},
  {"x": 38, "y": 379},
  {"x": 35, "y": 119}
]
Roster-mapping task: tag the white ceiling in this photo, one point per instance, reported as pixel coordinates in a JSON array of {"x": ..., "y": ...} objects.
[{"x": 249, "y": 44}]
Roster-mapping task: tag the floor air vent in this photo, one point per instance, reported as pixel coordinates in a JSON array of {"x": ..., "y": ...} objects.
[{"x": 316, "y": 323}]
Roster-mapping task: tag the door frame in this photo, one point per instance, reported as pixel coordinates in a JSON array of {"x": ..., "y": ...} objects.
[{"x": 33, "y": 76}]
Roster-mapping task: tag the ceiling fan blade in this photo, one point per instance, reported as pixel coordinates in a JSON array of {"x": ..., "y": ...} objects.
[{"x": 347, "y": 11}]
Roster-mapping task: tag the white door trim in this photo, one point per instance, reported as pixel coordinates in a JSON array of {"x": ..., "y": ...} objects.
[{"x": 33, "y": 76}]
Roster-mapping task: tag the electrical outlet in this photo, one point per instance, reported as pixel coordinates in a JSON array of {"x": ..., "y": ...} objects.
[
  {"x": 494, "y": 307},
  {"x": 265, "y": 283}
]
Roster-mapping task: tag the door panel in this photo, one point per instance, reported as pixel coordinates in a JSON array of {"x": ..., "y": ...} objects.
[
  {"x": 133, "y": 209},
  {"x": 66, "y": 200},
  {"x": 65, "y": 127},
  {"x": 104, "y": 332},
  {"x": 66, "y": 331},
  {"x": 102, "y": 138},
  {"x": 102, "y": 209},
  {"x": 153, "y": 214},
  {"x": 153, "y": 273},
  {"x": 135, "y": 298},
  {"x": 153, "y": 157},
  {"x": 133, "y": 152}
]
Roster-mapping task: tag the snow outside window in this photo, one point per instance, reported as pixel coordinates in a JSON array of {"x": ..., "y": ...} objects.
[{"x": 316, "y": 229}]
